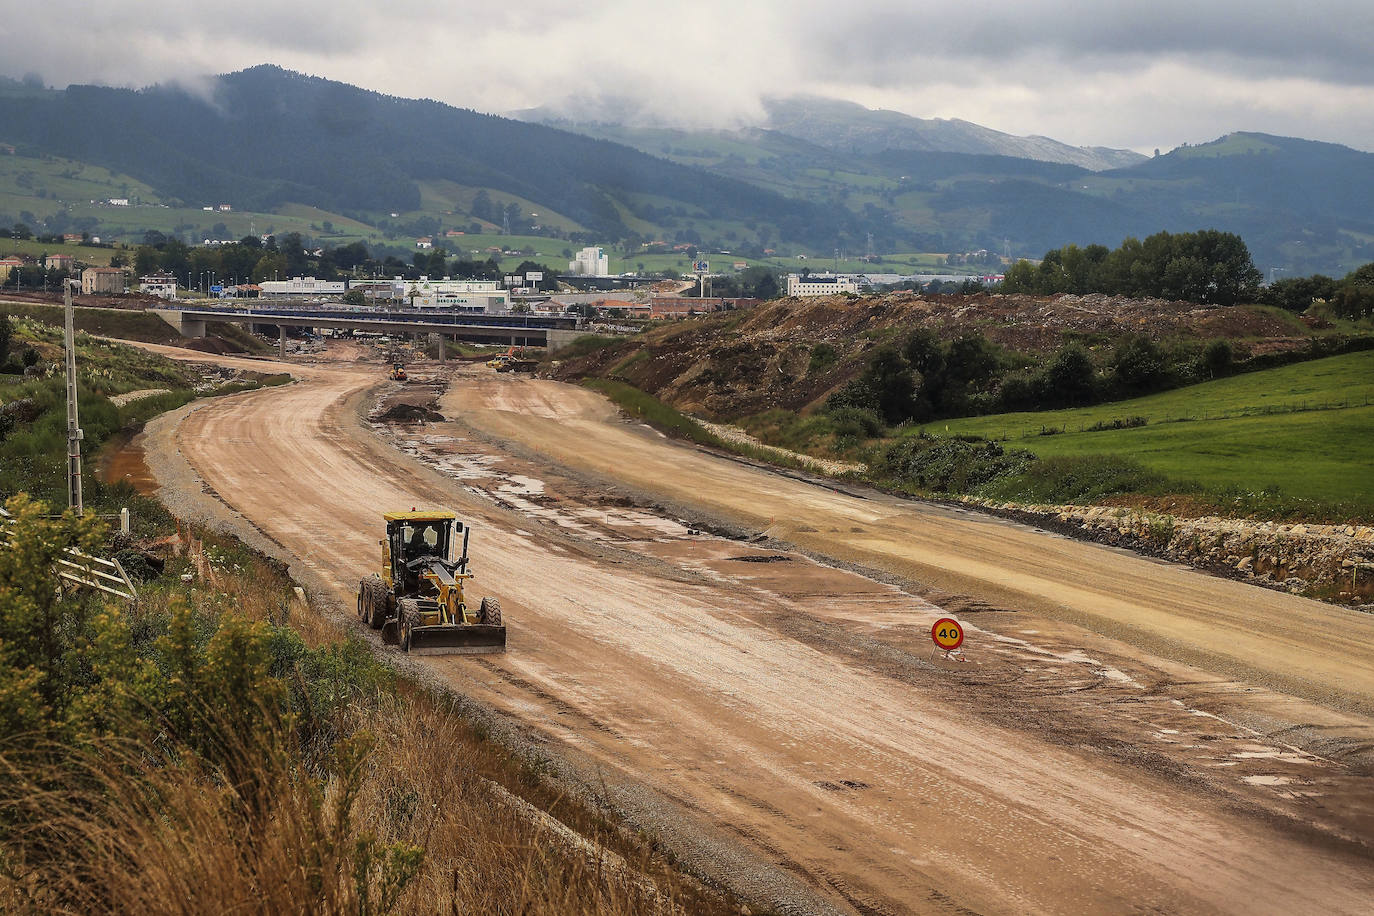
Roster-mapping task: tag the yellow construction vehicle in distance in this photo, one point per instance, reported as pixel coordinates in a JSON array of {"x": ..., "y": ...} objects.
[
  {"x": 398, "y": 373},
  {"x": 417, "y": 600},
  {"x": 513, "y": 360}
]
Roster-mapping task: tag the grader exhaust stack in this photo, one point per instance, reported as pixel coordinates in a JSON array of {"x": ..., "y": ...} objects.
[{"x": 418, "y": 601}]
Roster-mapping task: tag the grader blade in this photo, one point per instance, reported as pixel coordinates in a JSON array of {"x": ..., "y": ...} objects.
[{"x": 457, "y": 639}]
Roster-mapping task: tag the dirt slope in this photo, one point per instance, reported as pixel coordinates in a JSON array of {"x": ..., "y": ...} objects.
[
  {"x": 794, "y": 705},
  {"x": 790, "y": 353}
]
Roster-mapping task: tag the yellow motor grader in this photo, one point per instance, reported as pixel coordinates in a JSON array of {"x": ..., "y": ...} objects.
[{"x": 417, "y": 601}]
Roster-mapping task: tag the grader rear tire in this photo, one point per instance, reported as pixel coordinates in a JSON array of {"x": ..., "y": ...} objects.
[
  {"x": 489, "y": 612},
  {"x": 408, "y": 610},
  {"x": 371, "y": 602}
]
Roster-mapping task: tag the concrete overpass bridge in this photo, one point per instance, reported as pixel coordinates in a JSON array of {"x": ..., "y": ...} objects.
[{"x": 514, "y": 330}]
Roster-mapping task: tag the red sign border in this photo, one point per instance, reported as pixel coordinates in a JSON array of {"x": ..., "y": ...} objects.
[{"x": 936, "y": 625}]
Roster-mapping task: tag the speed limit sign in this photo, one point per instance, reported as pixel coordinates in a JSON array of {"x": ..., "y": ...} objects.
[{"x": 947, "y": 634}]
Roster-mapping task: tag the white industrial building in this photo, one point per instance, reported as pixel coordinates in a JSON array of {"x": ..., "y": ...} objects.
[
  {"x": 453, "y": 295},
  {"x": 821, "y": 284},
  {"x": 302, "y": 288},
  {"x": 590, "y": 262},
  {"x": 164, "y": 287}
]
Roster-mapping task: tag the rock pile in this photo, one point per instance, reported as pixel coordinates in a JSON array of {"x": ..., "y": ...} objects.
[{"x": 1333, "y": 562}]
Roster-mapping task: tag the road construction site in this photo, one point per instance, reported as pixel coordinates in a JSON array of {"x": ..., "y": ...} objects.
[{"x": 737, "y": 659}]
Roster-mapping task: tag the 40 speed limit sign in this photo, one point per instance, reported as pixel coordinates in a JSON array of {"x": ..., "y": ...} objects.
[{"x": 947, "y": 634}]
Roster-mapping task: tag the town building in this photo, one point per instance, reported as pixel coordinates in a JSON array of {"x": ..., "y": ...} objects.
[
  {"x": 302, "y": 288},
  {"x": 163, "y": 286},
  {"x": 452, "y": 295},
  {"x": 424, "y": 243},
  {"x": 8, "y": 266},
  {"x": 60, "y": 262},
  {"x": 102, "y": 280},
  {"x": 71, "y": 237},
  {"x": 590, "y": 262},
  {"x": 821, "y": 284},
  {"x": 374, "y": 290}
]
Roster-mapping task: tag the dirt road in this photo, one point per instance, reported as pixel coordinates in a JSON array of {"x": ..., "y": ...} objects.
[
  {"x": 795, "y": 705},
  {"x": 1305, "y": 647}
]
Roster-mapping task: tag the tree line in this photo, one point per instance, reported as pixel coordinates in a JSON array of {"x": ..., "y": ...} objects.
[
  {"x": 1208, "y": 266},
  {"x": 253, "y": 260},
  {"x": 923, "y": 378}
]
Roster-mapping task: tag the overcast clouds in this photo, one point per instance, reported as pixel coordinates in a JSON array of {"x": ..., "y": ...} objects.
[{"x": 1137, "y": 73}]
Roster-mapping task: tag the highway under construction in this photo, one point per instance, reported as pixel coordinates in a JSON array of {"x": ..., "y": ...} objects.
[{"x": 738, "y": 660}]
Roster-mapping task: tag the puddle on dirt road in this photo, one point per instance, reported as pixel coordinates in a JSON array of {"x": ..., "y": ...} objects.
[{"x": 123, "y": 460}]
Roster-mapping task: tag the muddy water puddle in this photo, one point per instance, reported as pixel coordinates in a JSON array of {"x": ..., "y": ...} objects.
[{"x": 123, "y": 460}]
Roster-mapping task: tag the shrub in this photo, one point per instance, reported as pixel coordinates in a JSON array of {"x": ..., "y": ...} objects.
[
  {"x": 955, "y": 465},
  {"x": 1078, "y": 479},
  {"x": 1138, "y": 365},
  {"x": 1068, "y": 379},
  {"x": 823, "y": 356},
  {"x": 1217, "y": 359},
  {"x": 1118, "y": 423},
  {"x": 856, "y": 422}
]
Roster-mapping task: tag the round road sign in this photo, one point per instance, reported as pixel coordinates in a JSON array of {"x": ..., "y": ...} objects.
[{"x": 947, "y": 633}]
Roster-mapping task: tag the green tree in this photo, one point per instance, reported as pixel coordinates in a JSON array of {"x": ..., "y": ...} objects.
[
  {"x": 1069, "y": 376},
  {"x": 1296, "y": 294},
  {"x": 1138, "y": 365},
  {"x": 292, "y": 249},
  {"x": 147, "y": 259},
  {"x": 270, "y": 266},
  {"x": 1019, "y": 278}
]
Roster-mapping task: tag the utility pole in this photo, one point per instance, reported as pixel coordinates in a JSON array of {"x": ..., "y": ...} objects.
[{"x": 74, "y": 434}]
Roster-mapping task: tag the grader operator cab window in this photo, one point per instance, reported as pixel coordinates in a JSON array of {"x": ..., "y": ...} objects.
[{"x": 424, "y": 539}]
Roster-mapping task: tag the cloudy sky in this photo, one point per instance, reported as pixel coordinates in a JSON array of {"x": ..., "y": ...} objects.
[{"x": 1134, "y": 73}]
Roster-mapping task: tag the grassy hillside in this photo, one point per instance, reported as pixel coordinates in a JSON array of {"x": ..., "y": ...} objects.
[{"x": 1305, "y": 431}]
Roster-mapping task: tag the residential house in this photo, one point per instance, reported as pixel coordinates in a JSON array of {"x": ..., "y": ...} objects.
[{"x": 102, "y": 280}]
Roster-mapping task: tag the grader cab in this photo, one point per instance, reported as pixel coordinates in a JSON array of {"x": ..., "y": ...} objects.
[{"x": 417, "y": 601}]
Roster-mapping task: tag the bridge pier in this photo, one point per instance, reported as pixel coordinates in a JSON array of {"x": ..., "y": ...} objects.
[
  {"x": 442, "y": 341},
  {"x": 281, "y": 341},
  {"x": 558, "y": 338},
  {"x": 186, "y": 327}
]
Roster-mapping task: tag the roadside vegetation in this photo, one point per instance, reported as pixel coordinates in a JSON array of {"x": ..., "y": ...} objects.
[{"x": 33, "y": 419}]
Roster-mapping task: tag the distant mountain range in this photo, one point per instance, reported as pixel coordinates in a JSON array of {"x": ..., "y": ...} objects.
[
  {"x": 850, "y": 129},
  {"x": 817, "y": 175}
]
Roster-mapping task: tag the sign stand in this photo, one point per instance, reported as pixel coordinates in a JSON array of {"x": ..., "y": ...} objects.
[{"x": 948, "y": 634}]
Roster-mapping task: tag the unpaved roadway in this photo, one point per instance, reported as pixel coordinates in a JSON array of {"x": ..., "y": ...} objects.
[{"x": 1072, "y": 764}]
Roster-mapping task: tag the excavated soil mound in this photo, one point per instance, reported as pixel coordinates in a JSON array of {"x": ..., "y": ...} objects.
[{"x": 410, "y": 413}]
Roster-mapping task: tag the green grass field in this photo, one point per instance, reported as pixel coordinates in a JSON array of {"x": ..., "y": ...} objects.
[{"x": 1305, "y": 430}]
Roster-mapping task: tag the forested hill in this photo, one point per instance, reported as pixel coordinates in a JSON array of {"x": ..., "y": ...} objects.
[
  {"x": 265, "y": 137},
  {"x": 268, "y": 136}
]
